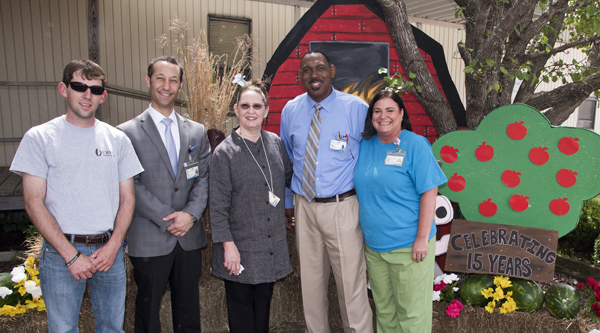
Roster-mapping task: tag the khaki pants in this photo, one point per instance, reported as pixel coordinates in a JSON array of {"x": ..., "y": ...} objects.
[{"x": 328, "y": 236}]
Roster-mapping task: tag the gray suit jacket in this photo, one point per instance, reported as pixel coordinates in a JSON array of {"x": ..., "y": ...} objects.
[{"x": 158, "y": 193}]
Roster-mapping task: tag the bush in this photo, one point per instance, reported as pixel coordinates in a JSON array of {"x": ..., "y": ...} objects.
[{"x": 581, "y": 242}]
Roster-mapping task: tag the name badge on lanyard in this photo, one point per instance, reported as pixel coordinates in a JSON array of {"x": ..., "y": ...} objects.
[{"x": 395, "y": 158}]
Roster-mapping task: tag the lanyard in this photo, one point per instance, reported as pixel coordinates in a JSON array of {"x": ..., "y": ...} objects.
[{"x": 270, "y": 186}]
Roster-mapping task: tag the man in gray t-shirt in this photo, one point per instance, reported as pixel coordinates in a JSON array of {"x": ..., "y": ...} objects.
[{"x": 78, "y": 190}]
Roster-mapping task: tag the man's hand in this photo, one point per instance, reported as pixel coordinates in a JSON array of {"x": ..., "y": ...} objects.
[
  {"x": 232, "y": 258},
  {"x": 82, "y": 268},
  {"x": 182, "y": 223},
  {"x": 290, "y": 222},
  {"x": 104, "y": 257}
]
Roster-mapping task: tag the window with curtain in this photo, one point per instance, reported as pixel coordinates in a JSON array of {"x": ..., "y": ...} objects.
[{"x": 223, "y": 33}]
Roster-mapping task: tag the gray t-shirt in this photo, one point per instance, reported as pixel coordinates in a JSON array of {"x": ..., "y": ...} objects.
[{"x": 82, "y": 167}]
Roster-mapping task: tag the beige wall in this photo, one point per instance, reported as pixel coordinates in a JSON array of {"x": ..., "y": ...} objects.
[{"x": 38, "y": 37}]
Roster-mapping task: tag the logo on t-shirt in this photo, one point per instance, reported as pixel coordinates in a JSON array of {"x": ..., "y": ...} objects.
[{"x": 100, "y": 152}]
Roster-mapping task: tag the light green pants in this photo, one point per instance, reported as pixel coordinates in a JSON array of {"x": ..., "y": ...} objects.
[{"x": 402, "y": 289}]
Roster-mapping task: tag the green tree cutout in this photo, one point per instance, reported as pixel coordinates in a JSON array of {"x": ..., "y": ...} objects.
[{"x": 517, "y": 169}]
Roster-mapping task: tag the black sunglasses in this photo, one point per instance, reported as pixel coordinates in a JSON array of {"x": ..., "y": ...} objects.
[{"x": 82, "y": 87}]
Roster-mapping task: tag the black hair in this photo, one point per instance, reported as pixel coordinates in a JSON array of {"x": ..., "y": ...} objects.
[{"x": 316, "y": 52}]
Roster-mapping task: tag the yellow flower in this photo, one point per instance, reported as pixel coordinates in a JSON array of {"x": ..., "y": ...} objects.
[
  {"x": 508, "y": 306},
  {"x": 502, "y": 281},
  {"x": 487, "y": 293},
  {"x": 12, "y": 311},
  {"x": 30, "y": 262},
  {"x": 499, "y": 294},
  {"x": 490, "y": 307},
  {"x": 36, "y": 303},
  {"x": 36, "y": 279},
  {"x": 510, "y": 293},
  {"x": 22, "y": 290},
  {"x": 32, "y": 271}
]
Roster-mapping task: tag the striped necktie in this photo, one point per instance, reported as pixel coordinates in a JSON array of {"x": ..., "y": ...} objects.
[
  {"x": 310, "y": 156},
  {"x": 170, "y": 144}
]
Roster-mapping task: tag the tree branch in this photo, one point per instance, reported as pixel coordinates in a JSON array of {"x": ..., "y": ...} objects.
[
  {"x": 433, "y": 101},
  {"x": 562, "y": 48}
]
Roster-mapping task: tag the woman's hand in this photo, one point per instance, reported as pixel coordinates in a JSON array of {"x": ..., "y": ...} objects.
[
  {"x": 232, "y": 258},
  {"x": 420, "y": 248}
]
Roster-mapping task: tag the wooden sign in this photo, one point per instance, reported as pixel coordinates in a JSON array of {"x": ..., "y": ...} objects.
[{"x": 499, "y": 249}]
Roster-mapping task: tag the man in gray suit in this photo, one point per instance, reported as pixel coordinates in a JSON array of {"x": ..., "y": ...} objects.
[{"x": 167, "y": 233}]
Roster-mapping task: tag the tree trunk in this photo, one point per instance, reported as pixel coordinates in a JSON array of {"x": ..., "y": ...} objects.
[{"x": 432, "y": 99}]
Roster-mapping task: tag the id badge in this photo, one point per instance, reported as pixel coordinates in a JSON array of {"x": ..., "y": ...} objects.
[
  {"x": 337, "y": 145},
  {"x": 395, "y": 158},
  {"x": 273, "y": 199},
  {"x": 192, "y": 171}
]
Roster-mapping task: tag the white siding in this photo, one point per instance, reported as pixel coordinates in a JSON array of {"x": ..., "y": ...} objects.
[{"x": 38, "y": 37}]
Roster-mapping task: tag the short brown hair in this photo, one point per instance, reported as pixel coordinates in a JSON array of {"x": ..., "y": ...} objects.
[
  {"x": 254, "y": 85},
  {"x": 90, "y": 71},
  {"x": 168, "y": 59}
]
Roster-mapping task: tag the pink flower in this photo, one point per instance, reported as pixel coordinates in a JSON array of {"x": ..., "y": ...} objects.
[
  {"x": 453, "y": 310},
  {"x": 591, "y": 282},
  {"x": 439, "y": 286},
  {"x": 580, "y": 286}
]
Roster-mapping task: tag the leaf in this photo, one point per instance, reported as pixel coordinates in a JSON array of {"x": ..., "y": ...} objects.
[
  {"x": 412, "y": 75},
  {"x": 382, "y": 70},
  {"x": 503, "y": 70},
  {"x": 468, "y": 69},
  {"x": 419, "y": 89},
  {"x": 590, "y": 10},
  {"x": 490, "y": 62},
  {"x": 461, "y": 45},
  {"x": 575, "y": 77},
  {"x": 458, "y": 12},
  {"x": 596, "y": 27},
  {"x": 497, "y": 87},
  {"x": 545, "y": 78}
]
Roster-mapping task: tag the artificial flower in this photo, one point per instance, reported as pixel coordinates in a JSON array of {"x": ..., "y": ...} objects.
[
  {"x": 239, "y": 79},
  {"x": 499, "y": 294},
  {"x": 436, "y": 295},
  {"x": 32, "y": 271},
  {"x": 453, "y": 310},
  {"x": 580, "y": 286},
  {"x": 508, "y": 306},
  {"x": 36, "y": 303},
  {"x": 5, "y": 292},
  {"x": 490, "y": 307},
  {"x": 30, "y": 261},
  {"x": 448, "y": 278},
  {"x": 597, "y": 295},
  {"x": 487, "y": 293},
  {"x": 508, "y": 294},
  {"x": 12, "y": 310},
  {"x": 595, "y": 307},
  {"x": 502, "y": 281},
  {"x": 455, "y": 289},
  {"x": 439, "y": 286},
  {"x": 18, "y": 274},
  {"x": 591, "y": 282},
  {"x": 33, "y": 289}
]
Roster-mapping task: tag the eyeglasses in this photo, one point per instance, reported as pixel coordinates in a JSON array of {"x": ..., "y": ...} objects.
[
  {"x": 82, "y": 87},
  {"x": 256, "y": 106}
]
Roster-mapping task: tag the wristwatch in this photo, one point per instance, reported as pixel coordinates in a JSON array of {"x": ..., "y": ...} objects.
[{"x": 194, "y": 219}]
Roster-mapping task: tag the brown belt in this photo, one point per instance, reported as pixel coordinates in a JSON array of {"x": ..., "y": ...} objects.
[
  {"x": 89, "y": 240},
  {"x": 337, "y": 198}
]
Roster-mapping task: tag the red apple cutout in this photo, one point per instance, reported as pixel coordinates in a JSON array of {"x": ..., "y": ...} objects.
[
  {"x": 448, "y": 154},
  {"x": 456, "y": 183},
  {"x": 488, "y": 208},
  {"x": 516, "y": 130},
  {"x": 484, "y": 152},
  {"x": 539, "y": 155},
  {"x": 511, "y": 178},
  {"x": 568, "y": 146},
  {"x": 560, "y": 206},
  {"x": 519, "y": 202},
  {"x": 566, "y": 178}
]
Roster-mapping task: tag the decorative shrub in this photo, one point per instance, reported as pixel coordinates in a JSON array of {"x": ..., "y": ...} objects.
[{"x": 581, "y": 241}]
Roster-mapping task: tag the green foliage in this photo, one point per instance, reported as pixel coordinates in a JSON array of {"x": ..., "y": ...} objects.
[
  {"x": 581, "y": 242},
  {"x": 398, "y": 84},
  {"x": 12, "y": 222}
]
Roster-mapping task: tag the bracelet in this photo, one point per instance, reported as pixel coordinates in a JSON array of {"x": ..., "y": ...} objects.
[{"x": 73, "y": 260}]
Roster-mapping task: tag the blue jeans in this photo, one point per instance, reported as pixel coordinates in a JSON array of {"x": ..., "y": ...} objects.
[{"x": 63, "y": 294}]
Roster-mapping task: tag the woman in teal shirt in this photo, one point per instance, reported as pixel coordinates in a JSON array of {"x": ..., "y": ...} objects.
[{"x": 396, "y": 180}]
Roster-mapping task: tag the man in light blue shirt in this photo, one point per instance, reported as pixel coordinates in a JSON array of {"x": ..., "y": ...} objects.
[{"x": 328, "y": 234}]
